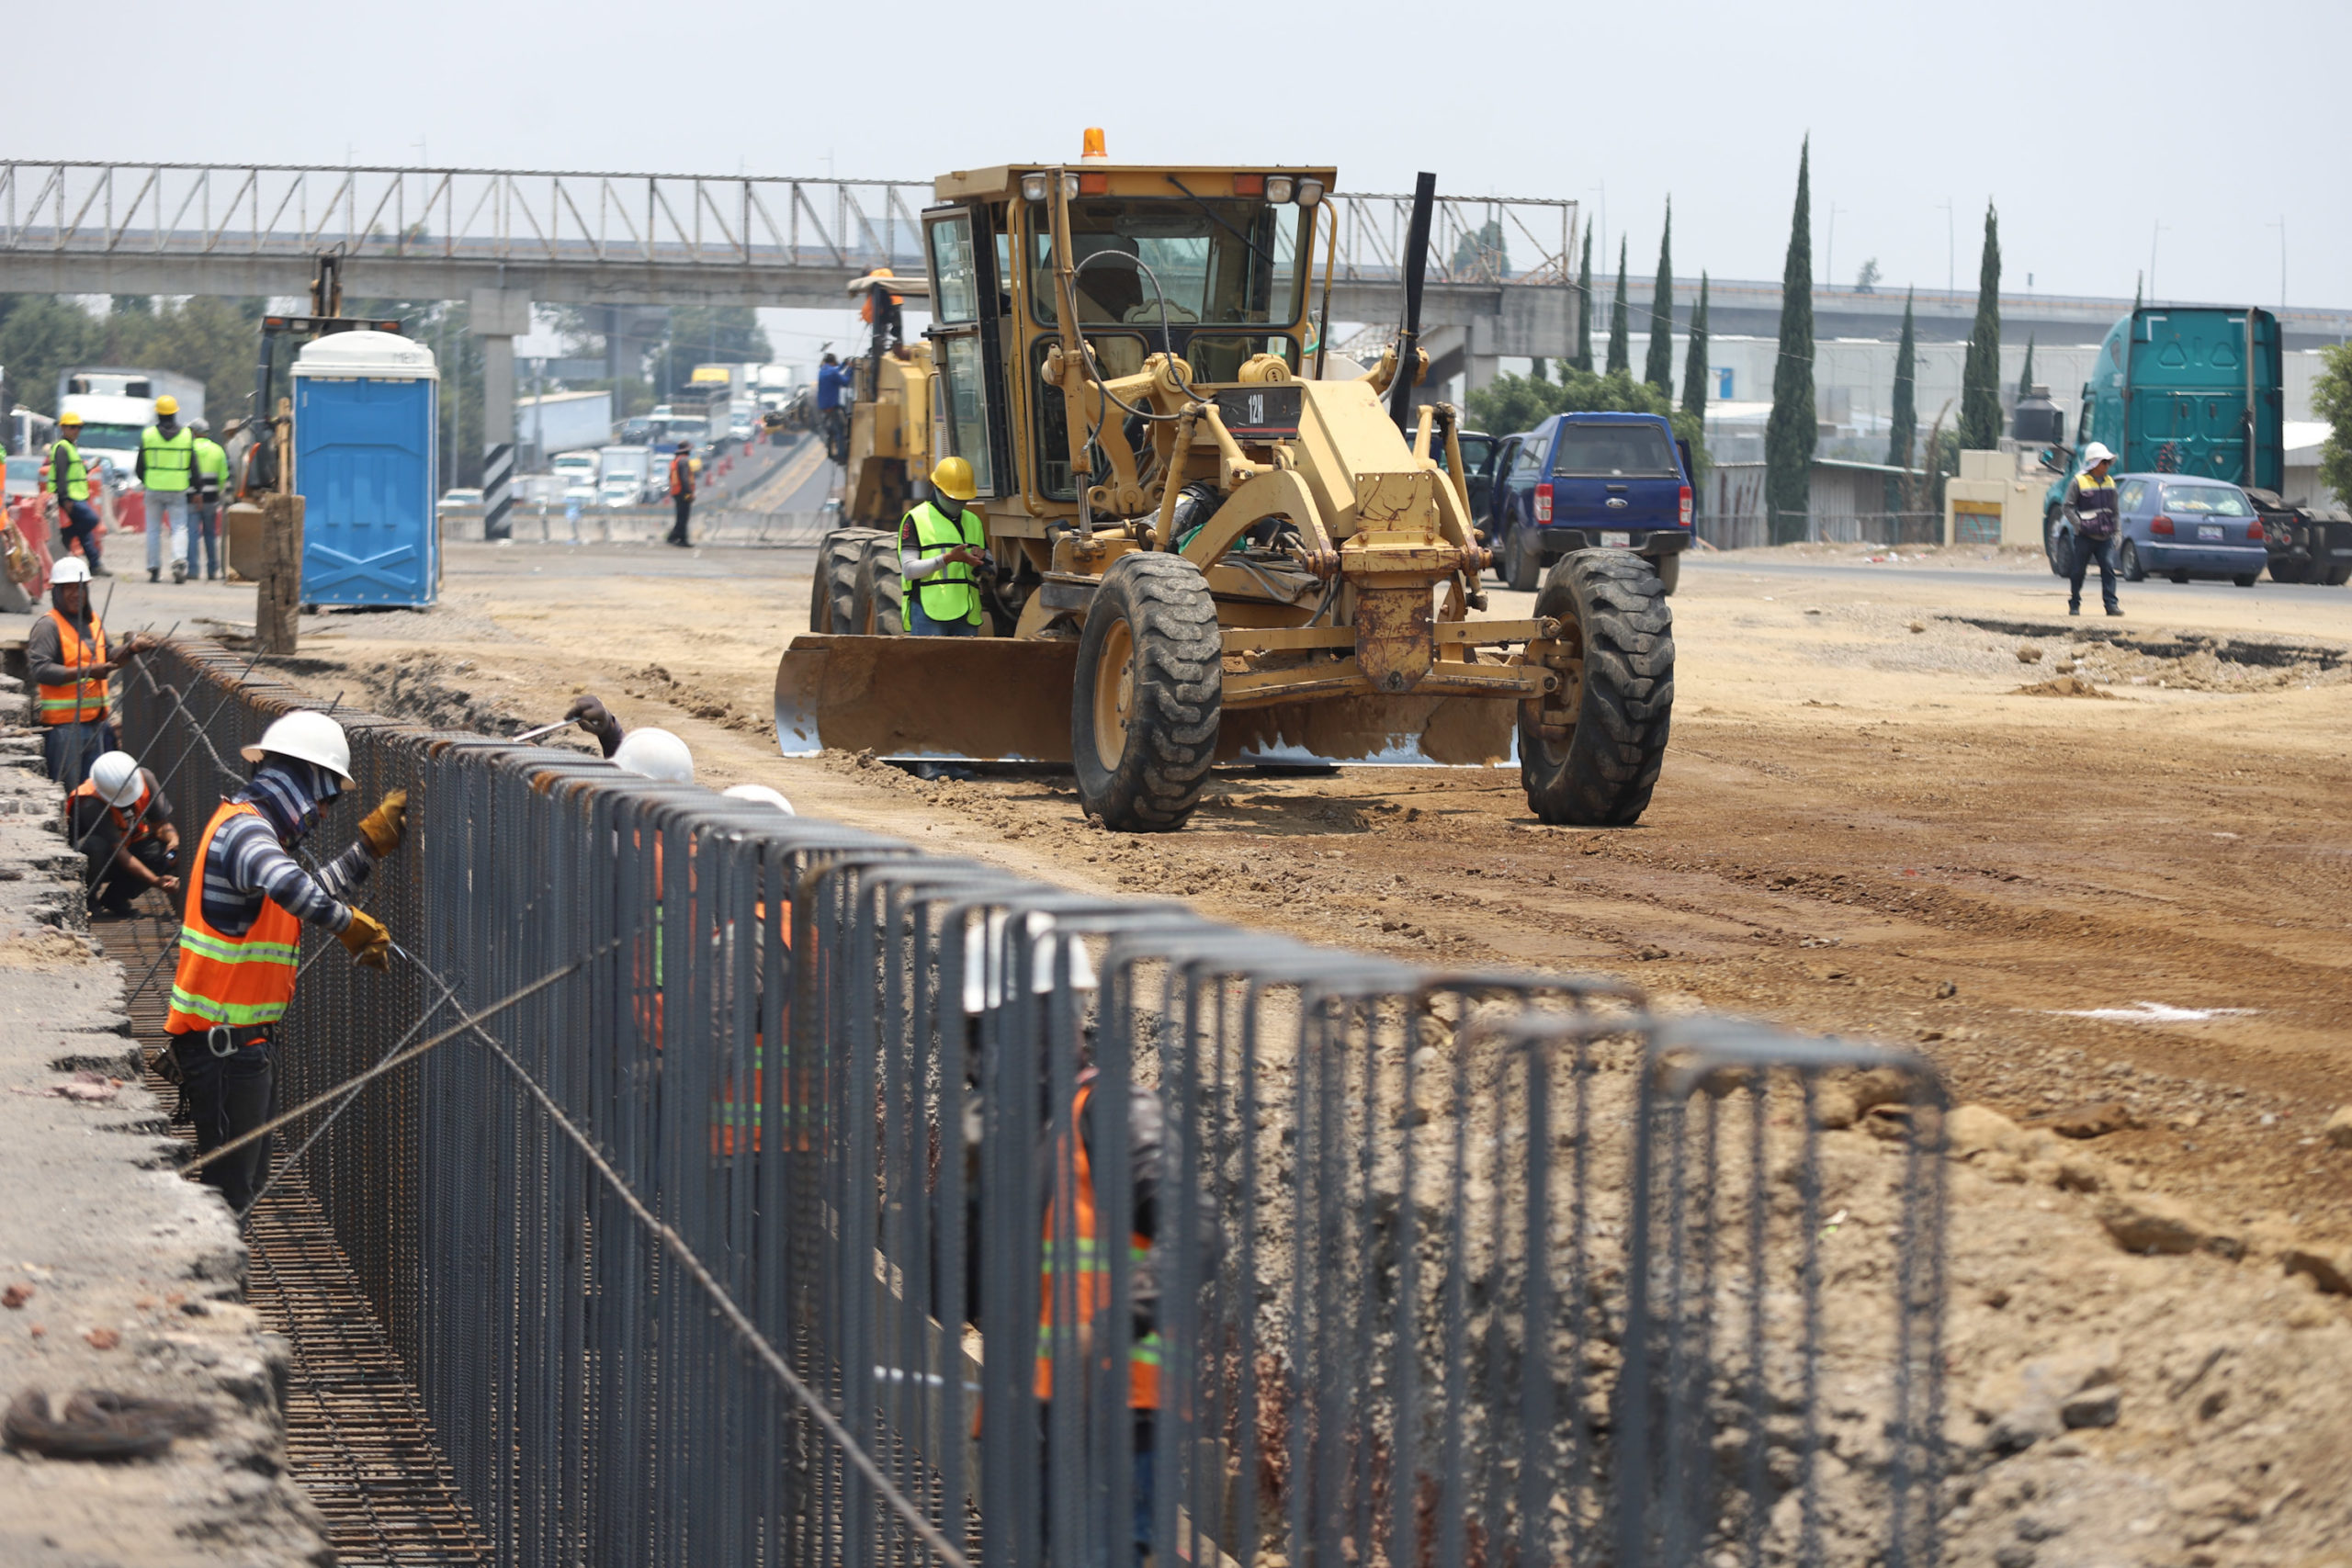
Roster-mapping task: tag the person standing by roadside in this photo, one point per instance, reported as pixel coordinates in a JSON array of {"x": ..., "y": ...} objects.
[
  {"x": 2090, "y": 504},
  {"x": 167, "y": 463},
  {"x": 240, "y": 937},
  {"x": 682, "y": 491},
  {"x": 65, "y": 653},
  {"x": 833, "y": 389},
  {"x": 68, "y": 478},
  {"x": 207, "y": 485}
]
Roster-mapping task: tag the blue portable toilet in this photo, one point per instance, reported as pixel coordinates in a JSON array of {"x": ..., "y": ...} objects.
[{"x": 366, "y": 415}]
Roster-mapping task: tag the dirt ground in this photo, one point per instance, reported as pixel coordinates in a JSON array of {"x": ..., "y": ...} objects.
[
  {"x": 1878, "y": 815},
  {"x": 2072, "y": 861}
]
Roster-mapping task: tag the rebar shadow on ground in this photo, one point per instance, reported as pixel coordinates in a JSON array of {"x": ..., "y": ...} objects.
[{"x": 357, "y": 1438}]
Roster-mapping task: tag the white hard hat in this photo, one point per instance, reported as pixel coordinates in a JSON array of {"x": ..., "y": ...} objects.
[
  {"x": 72, "y": 568},
  {"x": 115, "y": 776},
  {"x": 309, "y": 736},
  {"x": 655, "y": 754},
  {"x": 988, "y": 952},
  {"x": 2095, "y": 453},
  {"x": 760, "y": 792}
]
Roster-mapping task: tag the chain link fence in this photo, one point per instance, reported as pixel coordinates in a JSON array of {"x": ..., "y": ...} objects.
[{"x": 759, "y": 1190}]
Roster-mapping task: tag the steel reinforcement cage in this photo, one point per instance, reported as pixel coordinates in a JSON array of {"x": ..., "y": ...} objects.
[{"x": 767, "y": 1191}]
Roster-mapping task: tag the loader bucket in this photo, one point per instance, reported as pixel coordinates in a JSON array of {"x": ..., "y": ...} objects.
[{"x": 980, "y": 698}]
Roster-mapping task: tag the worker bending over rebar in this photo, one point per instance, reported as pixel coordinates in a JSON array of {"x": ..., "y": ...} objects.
[{"x": 240, "y": 944}]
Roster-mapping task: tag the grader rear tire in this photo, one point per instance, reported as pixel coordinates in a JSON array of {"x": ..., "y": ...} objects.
[
  {"x": 832, "y": 591},
  {"x": 1600, "y": 761},
  {"x": 878, "y": 607},
  {"x": 1150, "y": 695}
]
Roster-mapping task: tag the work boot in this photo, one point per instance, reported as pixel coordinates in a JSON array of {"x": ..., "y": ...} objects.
[
  {"x": 98, "y": 570},
  {"x": 2115, "y": 609},
  {"x": 179, "y": 571},
  {"x": 2074, "y": 608},
  {"x": 155, "y": 574}
]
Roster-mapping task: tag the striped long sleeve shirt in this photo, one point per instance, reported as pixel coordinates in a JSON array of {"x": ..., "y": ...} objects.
[{"x": 248, "y": 863}]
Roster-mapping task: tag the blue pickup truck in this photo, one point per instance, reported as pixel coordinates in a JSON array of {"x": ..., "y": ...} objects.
[{"x": 1581, "y": 481}]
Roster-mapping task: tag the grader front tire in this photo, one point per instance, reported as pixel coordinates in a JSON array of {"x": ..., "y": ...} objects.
[
  {"x": 878, "y": 607},
  {"x": 832, "y": 591},
  {"x": 1150, "y": 695},
  {"x": 1590, "y": 757}
]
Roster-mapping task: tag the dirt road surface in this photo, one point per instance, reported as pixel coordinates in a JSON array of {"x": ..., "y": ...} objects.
[{"x": 2079, "y": 862}]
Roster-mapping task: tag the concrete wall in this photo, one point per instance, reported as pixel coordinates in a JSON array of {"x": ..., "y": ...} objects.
[{"x": 120, "y": 1276}]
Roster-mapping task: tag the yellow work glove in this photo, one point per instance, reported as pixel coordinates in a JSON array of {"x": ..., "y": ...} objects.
[
  {"x": 368, "y": 942},
  {"x": 385, "y": 826}
]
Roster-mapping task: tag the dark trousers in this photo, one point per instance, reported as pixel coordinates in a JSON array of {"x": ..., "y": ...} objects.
[
  {"x": 113, "y": 886},
  {"x": 226, "y": 1097},
  {"x": 203, "y": 523},
  {"x": 685, "y": 505},
  {"x": 2088, "y": 550},
  {"x": 78, "y": 525},
  {"x": 68, "y": 749}
]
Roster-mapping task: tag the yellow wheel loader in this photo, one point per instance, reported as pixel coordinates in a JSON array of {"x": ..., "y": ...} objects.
[
  {"x": 885, "y": 442},
  {"x": 1196, "y": 549}
]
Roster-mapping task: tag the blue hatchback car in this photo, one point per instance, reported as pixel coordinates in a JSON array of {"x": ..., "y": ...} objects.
[{"x": 2178, "y": 527}]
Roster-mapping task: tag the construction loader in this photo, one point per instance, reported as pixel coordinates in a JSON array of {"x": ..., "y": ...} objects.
[{"x": 1199, "y": 551}]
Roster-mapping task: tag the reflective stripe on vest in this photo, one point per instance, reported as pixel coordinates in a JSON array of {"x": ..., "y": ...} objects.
[
  {"x": 241, "y": 980},
  {"x": 76, "y": 702},
  {"x": 132, "y": 823},
  {"x": 1088, "y": 1288},
  {"x": 950, "y": 593},
  {"x": 77, "y": 486},
  {"x": 169, "y": 459}
]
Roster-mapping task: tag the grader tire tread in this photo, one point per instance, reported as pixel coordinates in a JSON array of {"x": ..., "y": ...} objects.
[
  {"x": 1618, "y": 744},
  {"x": 878, "y": 607},
  {"x": 832, "y": 593},
  {"x": 1178, "y": 698}
]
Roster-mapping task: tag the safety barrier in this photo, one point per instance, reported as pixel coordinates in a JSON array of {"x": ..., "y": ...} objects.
[{"x": 740, "y": 1207}]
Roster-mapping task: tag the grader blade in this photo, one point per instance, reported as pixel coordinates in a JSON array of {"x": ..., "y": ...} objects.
[
  {"x": 1408, "y": 731},
  {"x": 976, "y": 698}
]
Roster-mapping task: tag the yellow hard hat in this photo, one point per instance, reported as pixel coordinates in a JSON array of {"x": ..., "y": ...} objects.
[
  {"x": 953, "y": 477},
  {"x": 69, "y": 417},
  {"x": 167, "y": 405}
]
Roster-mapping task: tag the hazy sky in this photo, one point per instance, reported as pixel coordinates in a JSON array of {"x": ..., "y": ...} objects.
[{"x": 2090, "y": 124}]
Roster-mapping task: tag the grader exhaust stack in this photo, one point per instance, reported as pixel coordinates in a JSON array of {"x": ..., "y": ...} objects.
[{"x": 1195, "y": 553}]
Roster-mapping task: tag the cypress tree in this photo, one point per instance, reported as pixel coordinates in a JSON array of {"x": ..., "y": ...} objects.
[
  {"x": 1658, "y": 370},
  {"x": 1791, "y": 435},
  {"x": 1980, "y": 380},
  {"x": 2025, "y": 381},
  {"x": 1902, "y": 423},
  {"x": 1583, "y": 358},
  {"x": 1695, "y": 364},
  {"x": 1620, "y": 323}
]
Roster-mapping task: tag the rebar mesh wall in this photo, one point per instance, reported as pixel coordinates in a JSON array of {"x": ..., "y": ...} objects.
[{"x": 749, "y": 1235}]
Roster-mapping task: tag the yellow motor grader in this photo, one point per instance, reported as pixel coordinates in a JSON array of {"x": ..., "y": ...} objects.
[{"x": 1199, "y": 551}]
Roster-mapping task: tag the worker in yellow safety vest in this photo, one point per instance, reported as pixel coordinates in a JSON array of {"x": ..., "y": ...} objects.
[
  {"x": 66, "y": 654},
  {"x": 207, "y": 487},
  {"x": 67, "y": 478},
  {"x": 241, "y": 940},
  {"x": 166, "y": 465},
  {"x": 941, "y": 558}
]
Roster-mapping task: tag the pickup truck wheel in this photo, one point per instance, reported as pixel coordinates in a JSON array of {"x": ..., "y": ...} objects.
[
  {"x": 1590, "y": 753},
  {"x": 1669, "y": 571},
  {"x": 1523, "y": 558},
  {"x": 878, "y": 605},
  {"x": 1150, "y": 695},
  {"x": 833, "y": 593}
]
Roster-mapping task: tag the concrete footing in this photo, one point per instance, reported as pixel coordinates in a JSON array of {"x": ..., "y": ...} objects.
[{"x": 116, "y": 1274}]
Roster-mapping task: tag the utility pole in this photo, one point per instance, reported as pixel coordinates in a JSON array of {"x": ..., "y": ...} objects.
[
  {"x": 1830, "y": 258},
  {"x": 2155, "y": 234},
  {"x": 1951, "y": 270},
  {"x": 2281, "y": 227}
]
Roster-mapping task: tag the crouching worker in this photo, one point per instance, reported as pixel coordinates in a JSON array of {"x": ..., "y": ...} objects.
[
  {"x": 121, "y": 821},
  {"x": 240, "y": 944}
]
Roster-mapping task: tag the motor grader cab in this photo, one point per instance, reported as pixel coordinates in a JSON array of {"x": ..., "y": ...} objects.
[{"x": 1198, "y": 551}]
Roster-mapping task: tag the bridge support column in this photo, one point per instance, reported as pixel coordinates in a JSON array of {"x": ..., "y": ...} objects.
[{"x": 499, "y": 316}]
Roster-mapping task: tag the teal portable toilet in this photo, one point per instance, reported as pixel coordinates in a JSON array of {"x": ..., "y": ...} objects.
[{"x": 366, "y": 415}]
